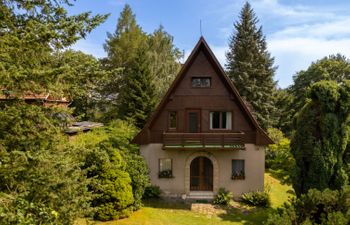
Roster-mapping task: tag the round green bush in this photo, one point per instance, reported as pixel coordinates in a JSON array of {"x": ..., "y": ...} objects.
[
  {"x": 257, "y": 198},
  {"x": 223, "y": 197}
]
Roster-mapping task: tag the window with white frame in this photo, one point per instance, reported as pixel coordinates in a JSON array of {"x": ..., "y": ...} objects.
[
  {"x": 165, "y": 168},
  {"x": 221, "y": 120}
]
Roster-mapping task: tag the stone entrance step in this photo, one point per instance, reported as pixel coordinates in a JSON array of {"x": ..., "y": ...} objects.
[{"x": 199, "y": 195}]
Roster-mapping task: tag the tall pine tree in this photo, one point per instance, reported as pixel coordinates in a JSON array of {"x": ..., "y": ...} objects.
[
  {"x": 165, "y": 59},
  {"x": 250, "y": 66},
  {"x": 138, "y": 96},
  {"x": 122, "y": 46}
]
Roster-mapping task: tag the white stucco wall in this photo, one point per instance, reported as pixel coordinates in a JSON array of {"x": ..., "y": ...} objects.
[{"x": 254, "y": 157}]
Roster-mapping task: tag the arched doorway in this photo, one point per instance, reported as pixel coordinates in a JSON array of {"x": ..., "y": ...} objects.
[{"x": 201, "y": 174}]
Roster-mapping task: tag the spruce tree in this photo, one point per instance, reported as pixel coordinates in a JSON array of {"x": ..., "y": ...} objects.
[
  {"x": 138, "y": 96},
  {"x": 321, "y": 141},
  {"x": 122, "y": 49},
  {"x": 250, "y": 66},
  {"x": 122, "y": 46}
]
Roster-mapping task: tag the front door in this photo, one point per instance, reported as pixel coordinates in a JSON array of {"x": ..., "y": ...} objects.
[
  {"x": 193, "y": 121},
  {"x": 201, "y": 174}
]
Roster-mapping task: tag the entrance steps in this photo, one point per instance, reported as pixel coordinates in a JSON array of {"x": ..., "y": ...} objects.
[{"x": 201, "y": 195}]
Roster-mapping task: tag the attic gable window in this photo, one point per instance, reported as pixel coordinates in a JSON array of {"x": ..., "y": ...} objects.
[{"x": 201, "y": 82}]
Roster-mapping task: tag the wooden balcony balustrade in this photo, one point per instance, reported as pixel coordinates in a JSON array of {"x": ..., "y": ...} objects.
[{"x": 230, "y": 141}]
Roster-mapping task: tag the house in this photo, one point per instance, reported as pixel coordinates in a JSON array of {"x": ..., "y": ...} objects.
[
  {"x": 202, "y": 136},
  {"x": 47, "y": 100},
  {"x": 44, "y": 99}
]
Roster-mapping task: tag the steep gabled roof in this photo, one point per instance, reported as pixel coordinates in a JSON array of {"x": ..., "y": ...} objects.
[{"x": 261, "y": 137}]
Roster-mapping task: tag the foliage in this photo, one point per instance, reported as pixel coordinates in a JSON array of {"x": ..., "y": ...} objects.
[
  {"x": 111, "y": 184},
  {"x": 333, "y": 68},
  {"x": 250, "y": 66},
  {"x": 164, "y": 60},
  {"x": 138, "y": 96},
  {"x": 149, "y": 64},
  {"x": 278, "y": 155},
  {"x": 40, "y": 178},
  {"x": 83, "y": 77},
  {"x": 257, "y": 198},
  {"x": 316, "y": 207},
  {"x": 321, "y": 139},
  {"x": 118, "y": 135},
  {"x": 284, "y": 115},
  {"x": 31, "y": 31},
  {"x": 152, "y": 191},
  {"x": 223, "y": 197}
]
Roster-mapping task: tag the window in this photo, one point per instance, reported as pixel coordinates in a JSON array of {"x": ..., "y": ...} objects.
[
  {"x": 172, "y": 120},
  {"x": 238, "y": 169},
  {"x": 220, "y": 120},
  {"x": 201, "y": 82},
  {"x": 165, "y": 168}
]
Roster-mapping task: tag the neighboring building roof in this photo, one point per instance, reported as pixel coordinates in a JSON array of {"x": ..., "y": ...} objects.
[
  {"x": 6, "y": 95},
  {"x": 261, "y": 136},
  {"x": 82, "y": 127}
]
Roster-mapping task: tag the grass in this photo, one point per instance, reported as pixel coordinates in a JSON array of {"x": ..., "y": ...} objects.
[{"x": 175, "y": 213}]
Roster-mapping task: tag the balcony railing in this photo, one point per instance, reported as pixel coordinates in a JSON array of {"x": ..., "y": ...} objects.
[{"x": 204, "y": 141}]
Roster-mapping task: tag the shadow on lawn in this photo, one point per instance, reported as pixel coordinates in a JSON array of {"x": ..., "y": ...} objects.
[
  {"x": 281, "y": 175},
  {"x": 252, "y": 216},
  {"x": 167, "y": 204}
]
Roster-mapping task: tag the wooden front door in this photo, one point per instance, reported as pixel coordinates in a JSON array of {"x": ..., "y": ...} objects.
[
  {"x": 201, "y": 174},
  {"x": 193, "y": 121}
]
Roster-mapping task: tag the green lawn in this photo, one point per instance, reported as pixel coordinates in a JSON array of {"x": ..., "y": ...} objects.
[{"x": 166, "y": 213}]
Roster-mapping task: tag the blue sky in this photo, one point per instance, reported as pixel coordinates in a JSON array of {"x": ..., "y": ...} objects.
[{"x": 297, "y": 32}]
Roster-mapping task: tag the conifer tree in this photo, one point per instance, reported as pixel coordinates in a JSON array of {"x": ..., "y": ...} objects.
[
  {"x": 122, "y": 46},
  {"x": 165, "y": 59},
  {"x": 321, "y": 141},
  {"x": 138, "y": 96},
  {"x": 250, "y": 66}
]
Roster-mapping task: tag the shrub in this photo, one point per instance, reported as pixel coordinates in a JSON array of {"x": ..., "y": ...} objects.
[
  {"x": 117, "y": 136},
  {"x": 223, "y": 197},
  {"x": 316, "y": 207},
  {"x": 257, "y": 198},
  {"x": 152, "y": 191},
  {"x": 278, "y": 155},
  {"x": 111, "y": 184}
]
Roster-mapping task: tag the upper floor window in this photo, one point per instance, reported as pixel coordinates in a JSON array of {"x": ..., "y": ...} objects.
[
  {"x": 220, "y": 120},
  {"x": 201, "y": 82},
  {"x": 172, "y": 120}
]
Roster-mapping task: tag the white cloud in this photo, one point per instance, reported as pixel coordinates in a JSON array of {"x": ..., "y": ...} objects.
[
  {"x": 296, "y": 34},
  {"x": 295, "y": 54},
  {"x": 330, "y": 29}
]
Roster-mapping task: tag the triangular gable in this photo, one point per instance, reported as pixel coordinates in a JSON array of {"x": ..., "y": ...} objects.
[{"x": 261, "y": 137}]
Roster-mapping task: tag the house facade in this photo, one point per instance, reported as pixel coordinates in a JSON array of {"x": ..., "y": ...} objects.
[{"x": 202, "y": 136}]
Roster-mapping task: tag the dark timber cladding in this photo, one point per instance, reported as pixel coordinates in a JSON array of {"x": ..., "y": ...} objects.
[{"x": 194, "y": 100}]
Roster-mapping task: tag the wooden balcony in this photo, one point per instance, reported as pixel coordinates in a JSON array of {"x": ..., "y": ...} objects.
[{"x": 228, "y": 141}]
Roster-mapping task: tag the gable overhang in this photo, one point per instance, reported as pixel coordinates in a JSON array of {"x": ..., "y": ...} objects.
[{"x": 143, "y": 137}]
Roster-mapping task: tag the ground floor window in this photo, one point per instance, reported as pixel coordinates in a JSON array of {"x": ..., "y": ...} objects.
[
  {"x": 165, "y": 168},
  {"x": 238, "y": 172}
]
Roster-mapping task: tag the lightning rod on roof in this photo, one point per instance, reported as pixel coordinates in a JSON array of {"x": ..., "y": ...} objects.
[{"x": 200, "y": 27}]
